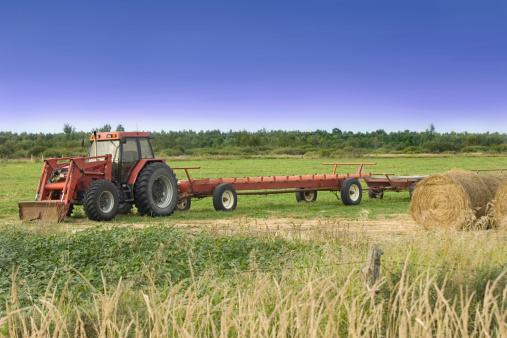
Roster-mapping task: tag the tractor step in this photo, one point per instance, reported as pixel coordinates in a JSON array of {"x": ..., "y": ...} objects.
[{"x": 50, "y": 211}]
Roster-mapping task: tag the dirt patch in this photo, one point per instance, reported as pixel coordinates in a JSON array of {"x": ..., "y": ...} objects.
[
  {"x": 400, "y": 224},
  {"x": 258, "y": 226}
]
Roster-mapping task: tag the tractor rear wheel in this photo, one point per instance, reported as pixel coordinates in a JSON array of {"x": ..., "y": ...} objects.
[
  {"x": 156, "y": 190},
  {"x": 225, "y": 198},
  {"x": 306, "y": 196},
  {"x": 351, "y": 191},
  {"x": 100, "y": 201}
]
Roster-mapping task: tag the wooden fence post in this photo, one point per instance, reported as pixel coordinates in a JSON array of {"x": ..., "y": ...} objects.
[{"x": 372, "y": 268}]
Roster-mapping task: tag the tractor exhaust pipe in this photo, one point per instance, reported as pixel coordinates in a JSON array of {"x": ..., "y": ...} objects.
[{"x": 95, "y": 143}]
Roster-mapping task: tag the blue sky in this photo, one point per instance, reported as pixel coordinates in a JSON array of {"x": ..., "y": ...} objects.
[{"x": 357, "y": 65}]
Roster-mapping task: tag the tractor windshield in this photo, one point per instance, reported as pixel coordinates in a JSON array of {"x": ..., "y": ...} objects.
[{"x": 106, "y": 147}]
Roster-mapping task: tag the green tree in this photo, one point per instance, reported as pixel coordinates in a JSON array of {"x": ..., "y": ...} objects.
[
  {"x": 68, "y": 130},
  {"x": 120, "y": 128},
  {"x": 105, "y": 128},
  {"x": 37, "y": 150}
]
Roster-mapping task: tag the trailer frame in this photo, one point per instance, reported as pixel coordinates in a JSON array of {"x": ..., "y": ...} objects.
[{"x": 304, "y": 186}]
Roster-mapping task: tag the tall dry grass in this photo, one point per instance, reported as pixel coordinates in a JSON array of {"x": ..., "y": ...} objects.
[{"x": 266, "y": 306}]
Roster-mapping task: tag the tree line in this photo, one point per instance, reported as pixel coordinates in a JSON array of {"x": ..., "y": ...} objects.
[{"x": 262, "y": 142}]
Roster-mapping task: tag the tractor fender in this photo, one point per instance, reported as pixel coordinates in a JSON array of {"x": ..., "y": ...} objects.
[{"x": 139, "y": 166}]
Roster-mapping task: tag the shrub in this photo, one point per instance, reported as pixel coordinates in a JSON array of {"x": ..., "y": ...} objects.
[
  {"x": 474, "y": 149},
  {"x": 413, "y": 150}
]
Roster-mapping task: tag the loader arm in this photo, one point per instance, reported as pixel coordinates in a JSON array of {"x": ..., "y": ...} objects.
[{"x": 63, "y": 183}]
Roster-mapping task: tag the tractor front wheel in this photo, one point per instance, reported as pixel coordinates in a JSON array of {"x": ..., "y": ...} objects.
[
  {"x": 71, "y": 209},
  {"x": 100, "y": 201},
  {"x": 156, "y": 190}
]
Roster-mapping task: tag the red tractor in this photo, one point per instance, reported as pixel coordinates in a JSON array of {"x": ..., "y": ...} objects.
[{"x": 119, "y": 172}]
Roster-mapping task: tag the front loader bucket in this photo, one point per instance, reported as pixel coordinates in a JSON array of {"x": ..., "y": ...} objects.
[{"x": 50, "y": 211}]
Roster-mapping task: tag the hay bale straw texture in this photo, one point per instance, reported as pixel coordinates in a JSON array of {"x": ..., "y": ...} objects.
[
  {"x": 500, "y": 207},
  {"x": 456, "y": 199}
]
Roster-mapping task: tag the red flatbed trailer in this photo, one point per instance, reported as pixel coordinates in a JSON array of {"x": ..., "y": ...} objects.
[
  {"x": 225, "y": 190},
  {"x": 389, "y": 182}
]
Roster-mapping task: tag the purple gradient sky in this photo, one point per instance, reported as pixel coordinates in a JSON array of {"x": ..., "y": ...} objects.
[{"x": 357, "y": 65}]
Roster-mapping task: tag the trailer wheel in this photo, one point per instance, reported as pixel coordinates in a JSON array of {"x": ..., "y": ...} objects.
[
  {"x": 100, "y": 201},
  {"x": 156, "y": 190},
  {"x": 225, "y": 197},
  {"x": 306, "y": 196},
  {"x": 373, "y": 194},
  {"x": 351, "y": 191},
  {"x": 411, "y": 189},
  {"x": 184, "y": 204},
  {"x": 124, "y": 208}
]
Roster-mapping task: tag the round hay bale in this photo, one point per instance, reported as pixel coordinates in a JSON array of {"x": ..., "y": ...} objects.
[
  {"x": 456, "y": 199},
  {"x": 500, "y": 207}
]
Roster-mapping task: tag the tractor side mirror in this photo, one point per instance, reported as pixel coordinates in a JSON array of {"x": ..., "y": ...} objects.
[{"x": 123, "y": 140}]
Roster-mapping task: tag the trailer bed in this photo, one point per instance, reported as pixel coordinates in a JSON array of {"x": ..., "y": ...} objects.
[
  {"x": 304, "y": 186},
  {"x": 389, "y": 182}
]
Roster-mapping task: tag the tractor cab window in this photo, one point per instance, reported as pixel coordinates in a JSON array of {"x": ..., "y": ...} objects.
[
  {"x": 146, "y": 151},
  {"x": 130, "y": 153},
  {"x": 104, "y": 148}
]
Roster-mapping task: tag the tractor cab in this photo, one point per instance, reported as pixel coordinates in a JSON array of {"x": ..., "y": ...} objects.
[{"x": 126, "y": 149}]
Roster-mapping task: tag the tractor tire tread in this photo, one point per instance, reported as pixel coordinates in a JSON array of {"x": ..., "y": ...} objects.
[
  {"x": 90, "y": 200},
  {"x": 142, "y": 193}
]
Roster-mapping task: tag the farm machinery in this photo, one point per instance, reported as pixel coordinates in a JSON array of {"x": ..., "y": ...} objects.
[{"x": 121, "y": 171}]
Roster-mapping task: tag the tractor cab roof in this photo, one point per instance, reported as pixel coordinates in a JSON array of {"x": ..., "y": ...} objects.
[{"x": 117, "y": 135}]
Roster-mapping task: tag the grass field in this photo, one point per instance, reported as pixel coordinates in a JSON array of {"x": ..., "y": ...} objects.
[{"x": 273, "y": 267}]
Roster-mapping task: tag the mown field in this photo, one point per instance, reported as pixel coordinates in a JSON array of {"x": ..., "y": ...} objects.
[{"x": 185, "y": 276}]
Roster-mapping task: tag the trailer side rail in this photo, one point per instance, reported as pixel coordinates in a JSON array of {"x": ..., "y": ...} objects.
[{"x": 263, "y": 185}]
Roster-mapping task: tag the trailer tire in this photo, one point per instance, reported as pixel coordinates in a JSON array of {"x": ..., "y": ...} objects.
[
  {"x": 184, "y": 204},
  {"x": 372, "y": 194},
  {"x": 156, "y": 190},
  {"x": 225, "y": 198},
  {"x": 101, "y": 201},
  {"x": 306, "y": 196},
  {"x": 411, "y": 190},
  {"x": 351, "y": 191}
]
